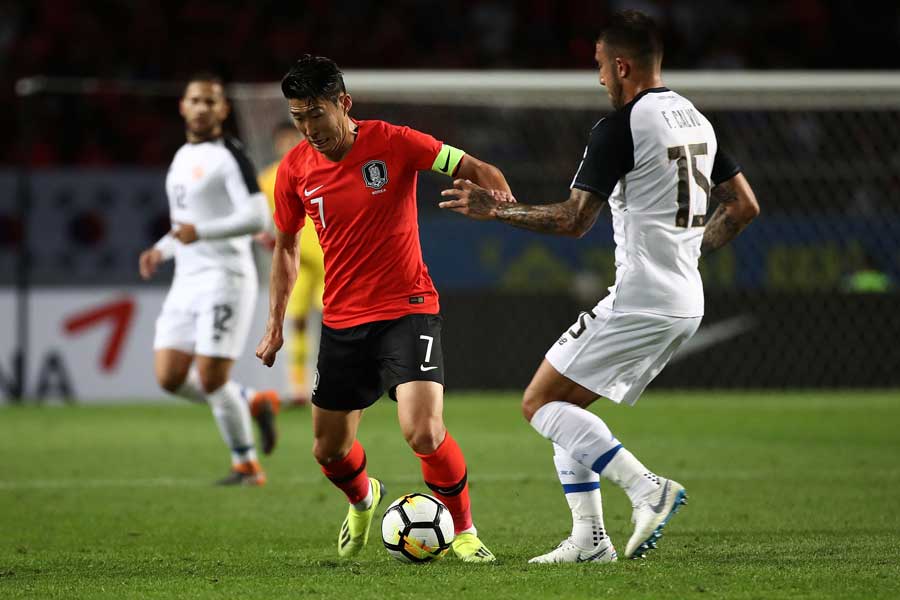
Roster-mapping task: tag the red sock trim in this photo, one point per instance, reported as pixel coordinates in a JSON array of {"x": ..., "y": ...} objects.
[{"x": 349, "y": 474}]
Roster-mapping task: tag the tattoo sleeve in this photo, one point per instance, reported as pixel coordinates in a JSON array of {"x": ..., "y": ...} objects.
[
  {"x": 722, "y": 227},
  {"x": 573, "y": 217}
]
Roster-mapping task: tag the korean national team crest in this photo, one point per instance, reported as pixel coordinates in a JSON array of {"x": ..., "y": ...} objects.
[{"x": 375, "y": 174}]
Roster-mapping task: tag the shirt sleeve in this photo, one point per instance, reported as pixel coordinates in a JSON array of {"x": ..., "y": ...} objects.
[
  {"x": 420, "y": 149},
  {"x": 166, "y": 246},
  {"x": 724, "y": 167},
  {"x": 609, "y": 155},
  {"x": 250, "y": 214},
  {"x": 289, "y": 210}
]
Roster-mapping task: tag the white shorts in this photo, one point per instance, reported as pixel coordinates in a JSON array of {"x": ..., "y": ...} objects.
[
  {"x": 207, "y": 316},
  {"x": 616, "y": 354}
]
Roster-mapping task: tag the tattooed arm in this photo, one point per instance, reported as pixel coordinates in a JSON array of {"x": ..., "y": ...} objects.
[
  {"x": 574, "y": 217},
  {"x": 737, "y": 207}
]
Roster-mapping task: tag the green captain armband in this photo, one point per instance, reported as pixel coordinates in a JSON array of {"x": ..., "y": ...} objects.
[{"x": 447, "y": 160}]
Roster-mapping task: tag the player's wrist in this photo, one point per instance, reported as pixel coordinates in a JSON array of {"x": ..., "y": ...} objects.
[
  {"x": 499, "y": 210},
  {"x": 274, "y": 325}
]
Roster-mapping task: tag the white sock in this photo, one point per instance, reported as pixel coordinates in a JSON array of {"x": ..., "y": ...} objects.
[
  {"x": 631, "y": 475},
  {"x": 584, "y": 435},
  {"x": 233, "y": 418},
  {"x": 582, "y": 489},
  {"x": 247, "y": 393},
  {"x": 589, "y": 441},
  {"x": 366, "y": 502},
  {"x": 191, "y": 389}
]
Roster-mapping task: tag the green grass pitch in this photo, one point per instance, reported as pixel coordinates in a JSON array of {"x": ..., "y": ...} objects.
[{"x": 792, "y": 495}]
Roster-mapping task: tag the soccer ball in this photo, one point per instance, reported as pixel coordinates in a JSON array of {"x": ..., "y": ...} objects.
[{"x": 417, "y": 528}]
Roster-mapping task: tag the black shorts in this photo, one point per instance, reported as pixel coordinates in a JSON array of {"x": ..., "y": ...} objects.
[{"x": 357, "y": 364}]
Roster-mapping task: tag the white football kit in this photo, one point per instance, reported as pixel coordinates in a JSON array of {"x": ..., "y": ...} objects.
[
  {"x": 209, "y": 308},
  {"x": 656, "y": 160}
]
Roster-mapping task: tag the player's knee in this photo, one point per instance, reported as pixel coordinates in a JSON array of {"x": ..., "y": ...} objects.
[
  {"x": 211, "y": 380},
  {"x": 426, "y": 438},
  {"x": 170, "y": 381},
  {"x": 532, "y": 400}
]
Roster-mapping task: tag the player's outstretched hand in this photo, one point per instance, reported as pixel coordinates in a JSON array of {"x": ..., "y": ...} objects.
[
  {"x": 269, "y": 346},
  {"x": 149, "y": 262},
  {"x": 471, "y": 200},
  {"x": 185, "y": 233}
]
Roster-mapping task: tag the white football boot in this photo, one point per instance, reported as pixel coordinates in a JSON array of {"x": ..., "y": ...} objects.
[
  {"x": 652, "y": 514},
  {"x": 568, "y": 552}
]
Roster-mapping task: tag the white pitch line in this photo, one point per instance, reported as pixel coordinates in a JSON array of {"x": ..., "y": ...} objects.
[
  {"x": 39, "y": 484},
  {"x": 174, "y": 482}
]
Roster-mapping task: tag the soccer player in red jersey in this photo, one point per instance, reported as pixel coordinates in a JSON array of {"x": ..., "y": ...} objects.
[{"x": 356, "y": 180}]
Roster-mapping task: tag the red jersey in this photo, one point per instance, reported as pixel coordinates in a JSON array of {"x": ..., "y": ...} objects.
[{"x": 364, "y": 210}]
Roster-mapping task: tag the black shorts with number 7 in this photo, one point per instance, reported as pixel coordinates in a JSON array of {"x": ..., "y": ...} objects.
[{"x": 357, "y": 364}]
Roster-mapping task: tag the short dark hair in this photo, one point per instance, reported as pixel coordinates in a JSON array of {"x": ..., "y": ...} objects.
[
  {"x": 313, "y": 77},
  {"x": 635, "y": 35},
  {"x": 205, "y": 77}
]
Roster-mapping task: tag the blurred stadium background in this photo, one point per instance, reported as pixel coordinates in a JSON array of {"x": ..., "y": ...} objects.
[
  {"x": 804, "y": 93},
  {"x": 793, "y": 492}
]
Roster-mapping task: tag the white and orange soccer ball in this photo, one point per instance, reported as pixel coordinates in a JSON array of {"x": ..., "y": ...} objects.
[{"x": 417, "y": 528}]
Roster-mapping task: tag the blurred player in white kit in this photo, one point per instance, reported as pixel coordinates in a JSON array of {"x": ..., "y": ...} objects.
[{"x": 215, "y": 207}]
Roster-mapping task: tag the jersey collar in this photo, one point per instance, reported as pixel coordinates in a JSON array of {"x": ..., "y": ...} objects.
[
  {"x": 359, "y": 131},
  {"x": 643, "y": 93},
  {"x": 212, "y": 140}
]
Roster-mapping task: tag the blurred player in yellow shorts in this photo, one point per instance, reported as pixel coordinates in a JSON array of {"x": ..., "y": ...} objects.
[{"x": 304, "y": 309}]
